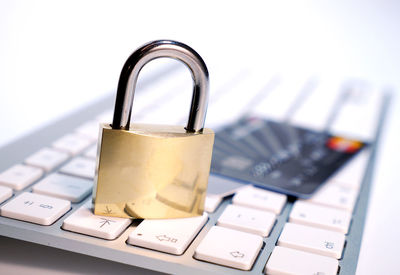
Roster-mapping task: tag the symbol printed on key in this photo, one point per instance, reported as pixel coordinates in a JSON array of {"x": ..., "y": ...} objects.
[
  {"x": 46, "y": 206},
  {"x": 105, "y": 221},
  {"x": 237, "y": 254},
  {"x": 166, "y": 238},
  {"x": 329, "y": 245},
  {"x": 28, "y": 202},
  {"x": 337, "y": 221}
]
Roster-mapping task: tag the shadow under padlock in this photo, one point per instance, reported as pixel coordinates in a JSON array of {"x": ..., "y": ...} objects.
[{"x": 154, "y": 171}]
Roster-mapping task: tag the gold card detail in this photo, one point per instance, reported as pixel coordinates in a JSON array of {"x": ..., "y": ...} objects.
[{"x": 152, "y": 172}]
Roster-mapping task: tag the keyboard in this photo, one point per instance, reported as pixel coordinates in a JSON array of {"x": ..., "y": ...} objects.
[{"x": 46, "y": 181}]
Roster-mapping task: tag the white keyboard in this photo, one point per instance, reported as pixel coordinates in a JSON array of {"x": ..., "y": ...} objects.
[{"x": 45, "y": 190}]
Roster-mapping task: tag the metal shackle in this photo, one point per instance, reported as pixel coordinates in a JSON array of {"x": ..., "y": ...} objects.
[{"x": 143, "y": 55}]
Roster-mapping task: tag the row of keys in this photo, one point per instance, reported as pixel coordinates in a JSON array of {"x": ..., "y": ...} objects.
[
  {"x": 156, "y": 234},
  {"x": 65, "y": 187},
  {"x": 45, "y": 210},
  {"x": 47, "y": 159},
  {"x": 20, "y": 176},
  {"x": 237, "y": 216},
  {"x": 52, "y": 196},
  {"x": 240, "y": 220},
  {"x": 237, "y": 238},
  {"x": 313, "y": 239},
  {"x": 160, "y": 235},
  {"x": 238, "y": 249}
]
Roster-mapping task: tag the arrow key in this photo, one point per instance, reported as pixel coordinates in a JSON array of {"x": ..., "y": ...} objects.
[
  {"x": 229, "y": 247},
  {"x": 167, "y": 235},
  {"x": 85, "y": 222}
]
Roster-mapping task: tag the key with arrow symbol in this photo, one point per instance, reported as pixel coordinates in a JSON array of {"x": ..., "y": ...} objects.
[
  {"x": 237, "y": 254},
  {"x": 105, "y": 221},
  {"x": 166, "y": 238}
]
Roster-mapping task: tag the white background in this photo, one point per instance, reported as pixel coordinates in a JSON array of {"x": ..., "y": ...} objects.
[{"x": 58, "y": 55}]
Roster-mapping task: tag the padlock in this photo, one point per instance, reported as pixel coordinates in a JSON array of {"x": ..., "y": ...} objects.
[{"x": 154, "y": 171}]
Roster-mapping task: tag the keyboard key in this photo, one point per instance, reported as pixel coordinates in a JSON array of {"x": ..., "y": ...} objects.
[
  {"x": 229, "y": 247},
  {"x": 5, "y": 193},
  {"x": 211, "y": 203},
  {"x": 35, "y": 208},
  {"x": 167, "y": 235},
  {"x": 20, "y": 176},
  {"x": 277, "y": 103},
  {"x": 255, "y": 85},
  {"x": 294, "y": 262},
  {"x": 320, "y": 216},
  {"x": 314, "y": 240},
  {"x": 352, "y": 174},
  {"x": 247, "y": 219},
  {"x": 322, "y": 101},
  {"x": 335, "y": 196},
  {"x": 90, "y": 129},
  {"x": 91, "y": 152},
  {"x": 72, "y": 144},
  {"x": 358, "y": 117},
  {"x": 260, "y": 199},
  {"x": 85, "y": 222},
  {"x": 47, "y": 159},
  {"x": 65, "y": 187},
  {"x": 81, "y": 167}
]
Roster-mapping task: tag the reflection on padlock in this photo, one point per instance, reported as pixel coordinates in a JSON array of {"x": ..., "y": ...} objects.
[{"x": 154, "y": 171}]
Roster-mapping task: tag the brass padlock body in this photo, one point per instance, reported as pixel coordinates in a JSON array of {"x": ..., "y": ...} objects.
[{"x": 152, "y": 171}]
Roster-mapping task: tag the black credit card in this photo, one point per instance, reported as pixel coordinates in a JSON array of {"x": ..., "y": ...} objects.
[{"x": 280, "y": 156}]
